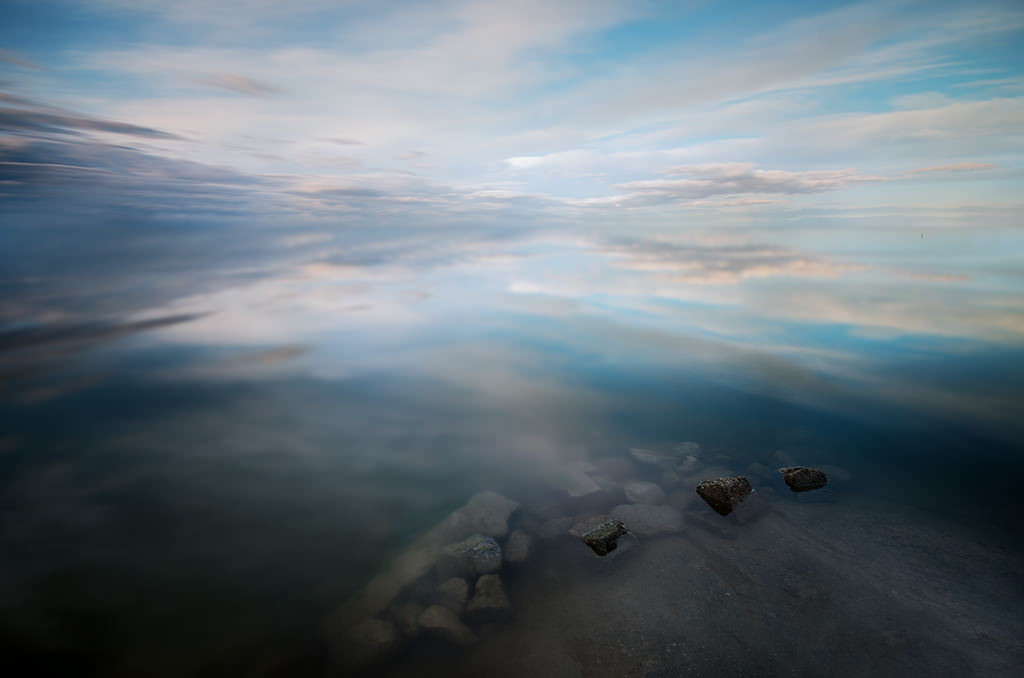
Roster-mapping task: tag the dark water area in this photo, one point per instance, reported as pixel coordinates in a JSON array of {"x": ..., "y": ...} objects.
[{"x": 163, "y": 515}]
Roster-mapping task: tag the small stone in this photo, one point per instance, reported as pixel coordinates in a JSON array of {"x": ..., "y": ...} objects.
[
  {"x": 648, "y": 520},
  {"x": 443, "y": 623},
  {"x": 517, "y": 548},
  {"x": 600, "y": 532},
  {"x": 473, "y": 556},
  {"x": 488, "y": 513},
  {"x": 803, "y": 478},
  {"x": 407, "y": 618},
  {"x": 650, "y": 457},
  {"x": 689, "y": 465},
  {"x": 454, "y": 593},
  {"x": 643, "y": 492},
  {"x": 687, "y": 448},
  {"x": 554, "y": 528},
  {"x": 724, "y": 494},
  {"x": 489, "y": 600}
]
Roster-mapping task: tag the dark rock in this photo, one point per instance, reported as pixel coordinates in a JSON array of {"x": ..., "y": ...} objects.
[
  {"x": 649, "y": 520},
  {"x": 803, "y": 479},
  {"x": 470, "y": 557},
  {"x": 453, "y": 594},
  {"x": 601, "y": 532},
  {"x": 442, "y": 623},
  {"x": 517, "y": 548},
  {"x": 724, "y": 494},
  {"x": 489, "y": 600}
]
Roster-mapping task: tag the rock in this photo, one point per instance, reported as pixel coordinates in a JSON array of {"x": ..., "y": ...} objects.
[
  {"x": 576, "y": 481},
  {"x": 681, "y": 499},
  {"x": 687, "y": 448},
  {"x": 649, "y": 520},
  {"x": 651, "y": 458},
  {"x": 489, "y": 600},
  {"x": 600, "y": 532},
  {"x": 369, "y": 641},
  {"x": 759, "y": 471},
  {"x": 643, "y": 492},
  {"x": 442, "y": 623},
  {"x": 470, "y": 557},
  {"x": 485, "y": 513},
  {"x": 803, "y": 478},
  {"x": 724, "y": 494},
  {"x": 517, "y": 548},
  {"x": 554, "y": 528},
  {"x": 669, "y": 479},
  {"x": 407, "y": 619},
  {"x": 615, "y": 468},
  {"x": 690, "y": 464},
  {"x": 454, "y": 593}
]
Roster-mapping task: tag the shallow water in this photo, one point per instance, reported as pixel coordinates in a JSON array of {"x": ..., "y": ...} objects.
[{"x": 174, "y": 506}]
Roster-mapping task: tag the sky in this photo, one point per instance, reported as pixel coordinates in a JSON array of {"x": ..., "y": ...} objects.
[{"x": 807, "y": 189}]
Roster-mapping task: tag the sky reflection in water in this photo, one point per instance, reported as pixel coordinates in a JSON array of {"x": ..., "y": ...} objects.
[{"x": 272, "y": 304}]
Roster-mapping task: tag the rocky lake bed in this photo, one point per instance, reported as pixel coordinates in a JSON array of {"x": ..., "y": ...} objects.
[{"x": 669, "y": 563}]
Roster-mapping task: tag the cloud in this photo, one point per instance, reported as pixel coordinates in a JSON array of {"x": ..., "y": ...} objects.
[
  {"x": 957, "y": 167},
  {"x": 10, "y": 57},
  {"x": 239, "y": 85},
  {"x": 24, "y": 116},
  {"x": 412, "y": 155}
]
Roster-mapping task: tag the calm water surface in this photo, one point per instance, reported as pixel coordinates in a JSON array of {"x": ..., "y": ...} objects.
[{"x": 200, "y": 487}]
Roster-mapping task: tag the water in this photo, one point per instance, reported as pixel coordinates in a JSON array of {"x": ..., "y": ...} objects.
[
  {"x": 202, "y": 495},
  {"x": 284, "y": 286}
]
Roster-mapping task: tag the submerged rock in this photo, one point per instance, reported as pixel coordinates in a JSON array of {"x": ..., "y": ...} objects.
[
  {"x": 688, "y": 465},
  {"x": 370, "y": 640},
  {"x": 669, "y": 479},
  {"x": 486, "y": 513},
  {"x": 517, "y": 548},
  {"x": 489, "y": 599},
  {"x": 803, "y": 478},
  {"x": 407, "y": 618},
  {"x": 687, "y": 448},
  {"x": 600, "y": 532},
  {"x": 470, "y": 557},
  {"x": 454, "y": 593},
  {"x": 651, "y": 458},
  {"x": 649, "y": 520},
  {"x": 443, "y": 623},
  {"x": 643, "y": 492},
  {"x": 724, "y": 494},
  {"x": 575, "y": 480}
]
